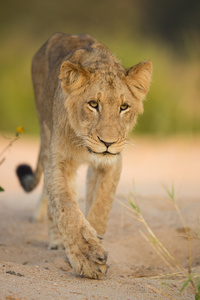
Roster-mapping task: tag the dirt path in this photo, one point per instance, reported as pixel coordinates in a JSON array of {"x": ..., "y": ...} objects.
[{"x": 29, "y": 271}]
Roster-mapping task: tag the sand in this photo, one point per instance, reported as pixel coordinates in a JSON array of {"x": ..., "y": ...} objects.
[{"x": 28, "y": 270}]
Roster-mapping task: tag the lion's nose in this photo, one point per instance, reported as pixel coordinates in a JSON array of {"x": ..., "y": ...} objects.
[{"x": 107, "y": 144}]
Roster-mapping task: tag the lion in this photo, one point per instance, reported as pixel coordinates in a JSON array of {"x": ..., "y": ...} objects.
[{"x": 86, "y": 103}]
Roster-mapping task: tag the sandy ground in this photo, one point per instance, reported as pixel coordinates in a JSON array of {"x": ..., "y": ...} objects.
[{"x": 29, "y": 271}]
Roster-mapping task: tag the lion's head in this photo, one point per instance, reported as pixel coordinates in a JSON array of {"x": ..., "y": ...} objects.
[{"x": 103, "y": 99}]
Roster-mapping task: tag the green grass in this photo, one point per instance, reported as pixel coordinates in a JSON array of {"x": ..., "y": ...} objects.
[{"x": 172, "y": 104}]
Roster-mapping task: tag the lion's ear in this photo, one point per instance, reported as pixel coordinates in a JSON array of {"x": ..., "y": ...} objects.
[
  {"x": 72, "y": 76},
  {"x": 138, "y": 79}
]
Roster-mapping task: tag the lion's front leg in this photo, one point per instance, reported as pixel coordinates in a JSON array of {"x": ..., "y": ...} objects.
[
  {"x": 83, "y": 246},
  {"x": 107, "y": 179},
  {"x": 92, "y": 179}
]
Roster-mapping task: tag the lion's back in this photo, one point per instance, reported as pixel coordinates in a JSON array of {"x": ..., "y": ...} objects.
[{"x": 45, "y": 68}]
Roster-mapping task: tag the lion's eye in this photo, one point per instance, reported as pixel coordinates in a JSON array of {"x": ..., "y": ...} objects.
[
  {"x": 93, "y": 104},
  {"x": 124, "y": 107}
]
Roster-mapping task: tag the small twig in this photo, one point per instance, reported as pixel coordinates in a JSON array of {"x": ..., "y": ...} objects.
[
  {"x": 2, "y": 161},
  {"x": 19, "y": 131},
  {"x": 8, "y": 146}
]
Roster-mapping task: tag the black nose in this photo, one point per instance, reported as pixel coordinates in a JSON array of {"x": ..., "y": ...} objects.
[{"x": 108, "y": 144}]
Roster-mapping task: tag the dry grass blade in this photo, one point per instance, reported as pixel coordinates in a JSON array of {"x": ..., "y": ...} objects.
[
  {"x": 173, "y": 199},
  {"x": 160, "y": 249},
  {"x": 160, "y": 292}
]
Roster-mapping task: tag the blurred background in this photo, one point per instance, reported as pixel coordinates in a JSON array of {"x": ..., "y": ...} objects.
[{"x": 167, "y": 32}]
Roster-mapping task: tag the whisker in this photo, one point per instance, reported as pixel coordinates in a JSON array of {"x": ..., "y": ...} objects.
[
  {"x": 79, "y": 145},
  {"x": 127, "y": 139},
  {"x": 130, "y": 144}
]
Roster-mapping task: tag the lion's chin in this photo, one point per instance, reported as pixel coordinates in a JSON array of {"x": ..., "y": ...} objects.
[
  {"x": 103, "y": 159},
  {"x": 104, "y": 153}
]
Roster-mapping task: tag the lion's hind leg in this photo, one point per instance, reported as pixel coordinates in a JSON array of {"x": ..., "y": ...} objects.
[
  {"x": 40, "y": 214},
  {"x": 56, "y": 241}
]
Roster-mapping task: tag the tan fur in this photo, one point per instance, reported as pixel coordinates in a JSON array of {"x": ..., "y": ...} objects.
[{"x": 68, "y": 72}]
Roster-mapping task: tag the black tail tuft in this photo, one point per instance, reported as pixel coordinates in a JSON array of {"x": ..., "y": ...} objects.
[
  {"x": 26, "y": 176},
  {"x": 23, "y": 170}
]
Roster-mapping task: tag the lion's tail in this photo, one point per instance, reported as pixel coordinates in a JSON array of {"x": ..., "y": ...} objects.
[{"x": 27, "y": 178}]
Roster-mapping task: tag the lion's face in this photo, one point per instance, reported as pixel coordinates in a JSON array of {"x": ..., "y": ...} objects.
[
  {"x": 104, "y": 107},
  {"x": 103, "y": 116}
]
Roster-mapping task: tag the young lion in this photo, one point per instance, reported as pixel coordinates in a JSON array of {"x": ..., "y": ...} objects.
[{"x": 86, "y": 103}]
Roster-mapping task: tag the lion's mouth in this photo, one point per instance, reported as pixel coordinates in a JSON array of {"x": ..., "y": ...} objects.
[{"x": 104, "y": 153}]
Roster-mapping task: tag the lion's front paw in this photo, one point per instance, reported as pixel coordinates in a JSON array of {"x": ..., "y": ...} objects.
[{"x": 87, "y": 255}]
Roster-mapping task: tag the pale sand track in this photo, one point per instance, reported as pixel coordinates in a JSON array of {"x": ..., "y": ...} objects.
[{"x": 46, "y": 275}]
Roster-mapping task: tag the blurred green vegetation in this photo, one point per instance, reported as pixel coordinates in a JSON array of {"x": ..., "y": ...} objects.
[{"x": 164, "y": 31}]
